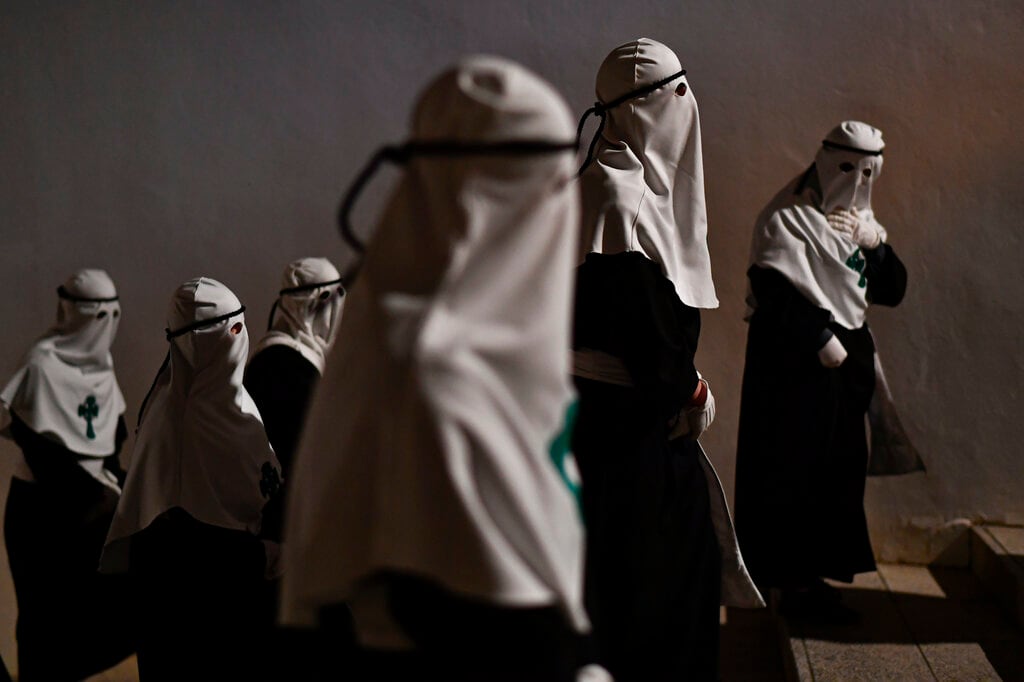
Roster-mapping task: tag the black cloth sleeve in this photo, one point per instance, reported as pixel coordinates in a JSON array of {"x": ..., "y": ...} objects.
[
  {"x": 113, "y": 462},
  {"x": 626, "y": 307},
  {"x": 780, "y": 304},
  {"x": 56, "y": 470},
  {"x": 281, "y": 383},
  {"x": 886, "y": 274}
]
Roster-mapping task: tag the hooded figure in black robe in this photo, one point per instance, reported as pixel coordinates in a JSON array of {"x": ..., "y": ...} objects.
[
  {"x": 64, "y": 410},
  {"x": 819, "y": 258},
  {"x": 187, "y": 527},
  {"x": 661, "y": 553},
  {"x": 288, "y": 361}
]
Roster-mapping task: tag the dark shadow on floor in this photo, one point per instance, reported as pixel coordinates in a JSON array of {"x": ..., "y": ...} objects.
[{"x": 964, "y": 615}]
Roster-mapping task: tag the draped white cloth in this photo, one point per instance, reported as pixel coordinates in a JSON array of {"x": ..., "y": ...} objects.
[
  {"x": 645, "y": 189},
  {"x": 793, "y": 236},
  {"x": 201, "y": 445},
  {"x": 66, "y": 388},
  {"x": 429, "y": 447}
]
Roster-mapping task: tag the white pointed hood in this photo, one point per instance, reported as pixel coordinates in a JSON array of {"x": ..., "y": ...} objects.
[
  {"x": 793, "y": 237},
  {"x": 66, "y": 388},
  {"x": 306, "y": 316},
  {"x": 644, "y": 190},
  {"x": 429, "y": 447},
  {"x": 201, "y": 445}
]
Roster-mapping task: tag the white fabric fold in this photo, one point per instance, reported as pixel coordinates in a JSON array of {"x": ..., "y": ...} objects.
[{"x": 738, "y": 587}]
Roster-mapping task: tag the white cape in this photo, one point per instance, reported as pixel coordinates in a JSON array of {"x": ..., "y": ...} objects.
[
  {"x": 66, "y": 388},
  {"x": 645, "y": 189},
  {"x": 428, "y": 448},
  {"x": 201, "y": 445}
]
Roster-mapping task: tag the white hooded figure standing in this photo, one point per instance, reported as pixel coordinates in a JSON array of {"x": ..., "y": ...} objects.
[
  {"x": 64, "y": 409},
  {"x": 288, "y": 361},
  {"x": 819, "y": 257},
  {"x": 187, "y": 525},
  {"x": 661, "y": 551},
  {"x": 437, "y": 489}
]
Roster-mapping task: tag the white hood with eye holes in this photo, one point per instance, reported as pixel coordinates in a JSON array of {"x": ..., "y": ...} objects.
[
  {"x": 307, "y": 320},
  {"x": 793, "y": 237},
  {"x": 845, "y": 175},
  {"x": 645, "y": 190},
  {"x": 201, "y": 445},
  {"x": 66, "y": 389}
]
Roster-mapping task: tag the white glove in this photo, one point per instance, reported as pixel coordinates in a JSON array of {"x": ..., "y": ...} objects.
[
  {"x": 832, "y": 353},
  {"x": 863, "y": 232},
  {"x": 693, "y": 421},
  {"x": 593, "y": 673}
]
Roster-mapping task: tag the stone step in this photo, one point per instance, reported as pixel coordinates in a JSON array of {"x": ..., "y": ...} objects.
[
  {"x": 997, "y": 559},
  {"x": 918, "y": 623}
]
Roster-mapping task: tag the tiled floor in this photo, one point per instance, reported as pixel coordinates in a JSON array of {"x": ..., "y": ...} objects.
[{"x": 919, "y": 623}]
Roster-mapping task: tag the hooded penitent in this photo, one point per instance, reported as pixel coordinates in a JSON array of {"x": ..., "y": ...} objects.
[
  {"x": 794, "y": 237},
  {"x": 432, "y": 445},
  {"x": 644, "y": 190},
  {"x": 201, "y": 445},
  {"x": 305, "y": 317},
  {"x": 66, "y": 389}
]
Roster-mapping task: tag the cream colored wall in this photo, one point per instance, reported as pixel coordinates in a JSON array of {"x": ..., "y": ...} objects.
[{"x": 161, "y": 140}]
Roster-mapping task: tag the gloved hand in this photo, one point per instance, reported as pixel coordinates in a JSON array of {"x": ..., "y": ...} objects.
[
  {"x": 593, "y": 673},
  {"x": 864, "y": 232},
  {"x": 693, "y": 420},
  {"x": 832, "y": 354}
]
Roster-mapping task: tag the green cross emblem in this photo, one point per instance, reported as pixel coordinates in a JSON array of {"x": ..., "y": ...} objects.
[
  {"x": 856, "y": 263},
  {"x": 560, "y": 451},
  {"x": 88, "y": 411}
]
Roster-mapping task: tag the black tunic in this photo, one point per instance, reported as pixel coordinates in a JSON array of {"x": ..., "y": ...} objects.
[
  {"x": 802, "y": 452},
  {"x": 72, "y": 621},
  {"x": 653, "y": 568},
  {"x": 201, "y": 605},
  {"x": 281, "y": 382}
]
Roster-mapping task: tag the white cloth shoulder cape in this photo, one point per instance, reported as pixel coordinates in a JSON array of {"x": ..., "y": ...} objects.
[
  {"x": 201, "y": 445},
  {"x": 428, "y": 448},
  {"x": 66, "y": 388}
]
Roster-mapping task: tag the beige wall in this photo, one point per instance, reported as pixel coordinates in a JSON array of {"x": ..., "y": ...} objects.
[{"x": 162, "y": 139}]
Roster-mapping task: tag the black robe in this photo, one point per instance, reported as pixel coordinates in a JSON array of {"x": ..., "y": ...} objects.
[
  {"x": 802, "y": 453},
  {"x": 201, "y": 605},
  {"x": 281, "y": 382},
  {"x": 653, "y": 568},
  {"x": 72, "y": 621}
]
